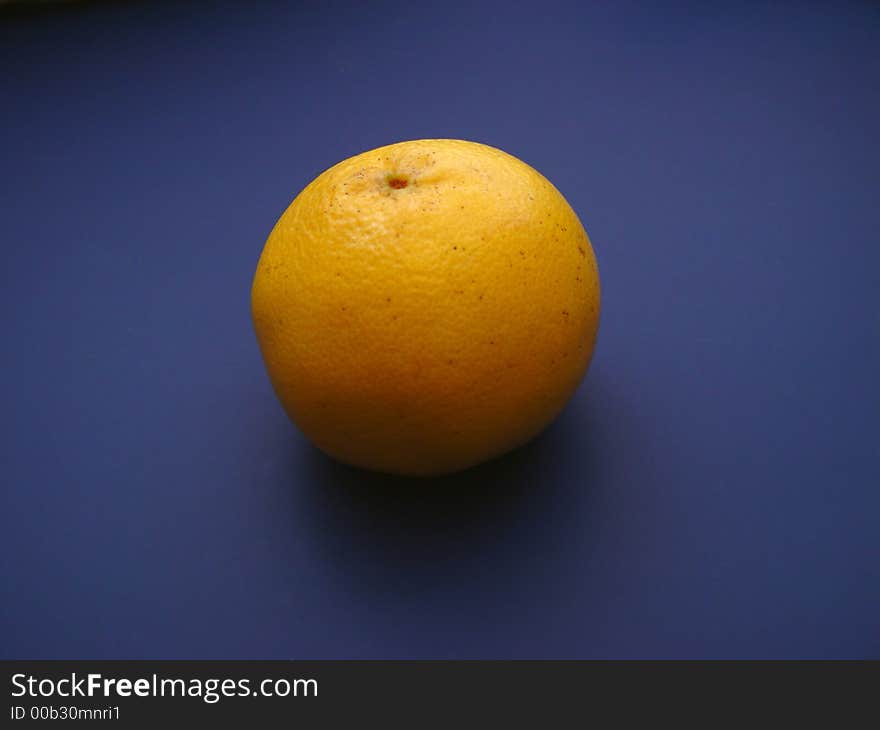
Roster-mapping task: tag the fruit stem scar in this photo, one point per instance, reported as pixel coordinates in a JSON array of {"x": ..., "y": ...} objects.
[{"x": 398, "y": 182}]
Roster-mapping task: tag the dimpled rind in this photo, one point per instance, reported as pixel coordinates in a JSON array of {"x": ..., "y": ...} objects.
[{"x": 426, "y": 306}]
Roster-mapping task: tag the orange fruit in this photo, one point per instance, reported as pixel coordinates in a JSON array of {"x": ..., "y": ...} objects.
[{"x": 425, "y": 306}]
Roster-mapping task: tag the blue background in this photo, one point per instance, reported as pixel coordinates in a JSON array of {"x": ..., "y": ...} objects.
[{"x": 713, "y": 489}]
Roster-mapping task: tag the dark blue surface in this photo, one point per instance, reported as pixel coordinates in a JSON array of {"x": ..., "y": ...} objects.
[{"x": 712, "y": 491}]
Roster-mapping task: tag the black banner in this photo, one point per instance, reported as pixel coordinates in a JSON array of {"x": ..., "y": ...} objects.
[{"x": 128, "y": 693}]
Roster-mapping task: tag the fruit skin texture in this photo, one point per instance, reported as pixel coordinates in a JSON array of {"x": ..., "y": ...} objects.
[{"x": 426, "y": 306}]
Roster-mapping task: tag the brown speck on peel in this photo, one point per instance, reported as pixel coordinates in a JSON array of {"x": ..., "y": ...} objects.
[
  {"x": 398, "y": 182},
  {"x": 583, "y": 253}
]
